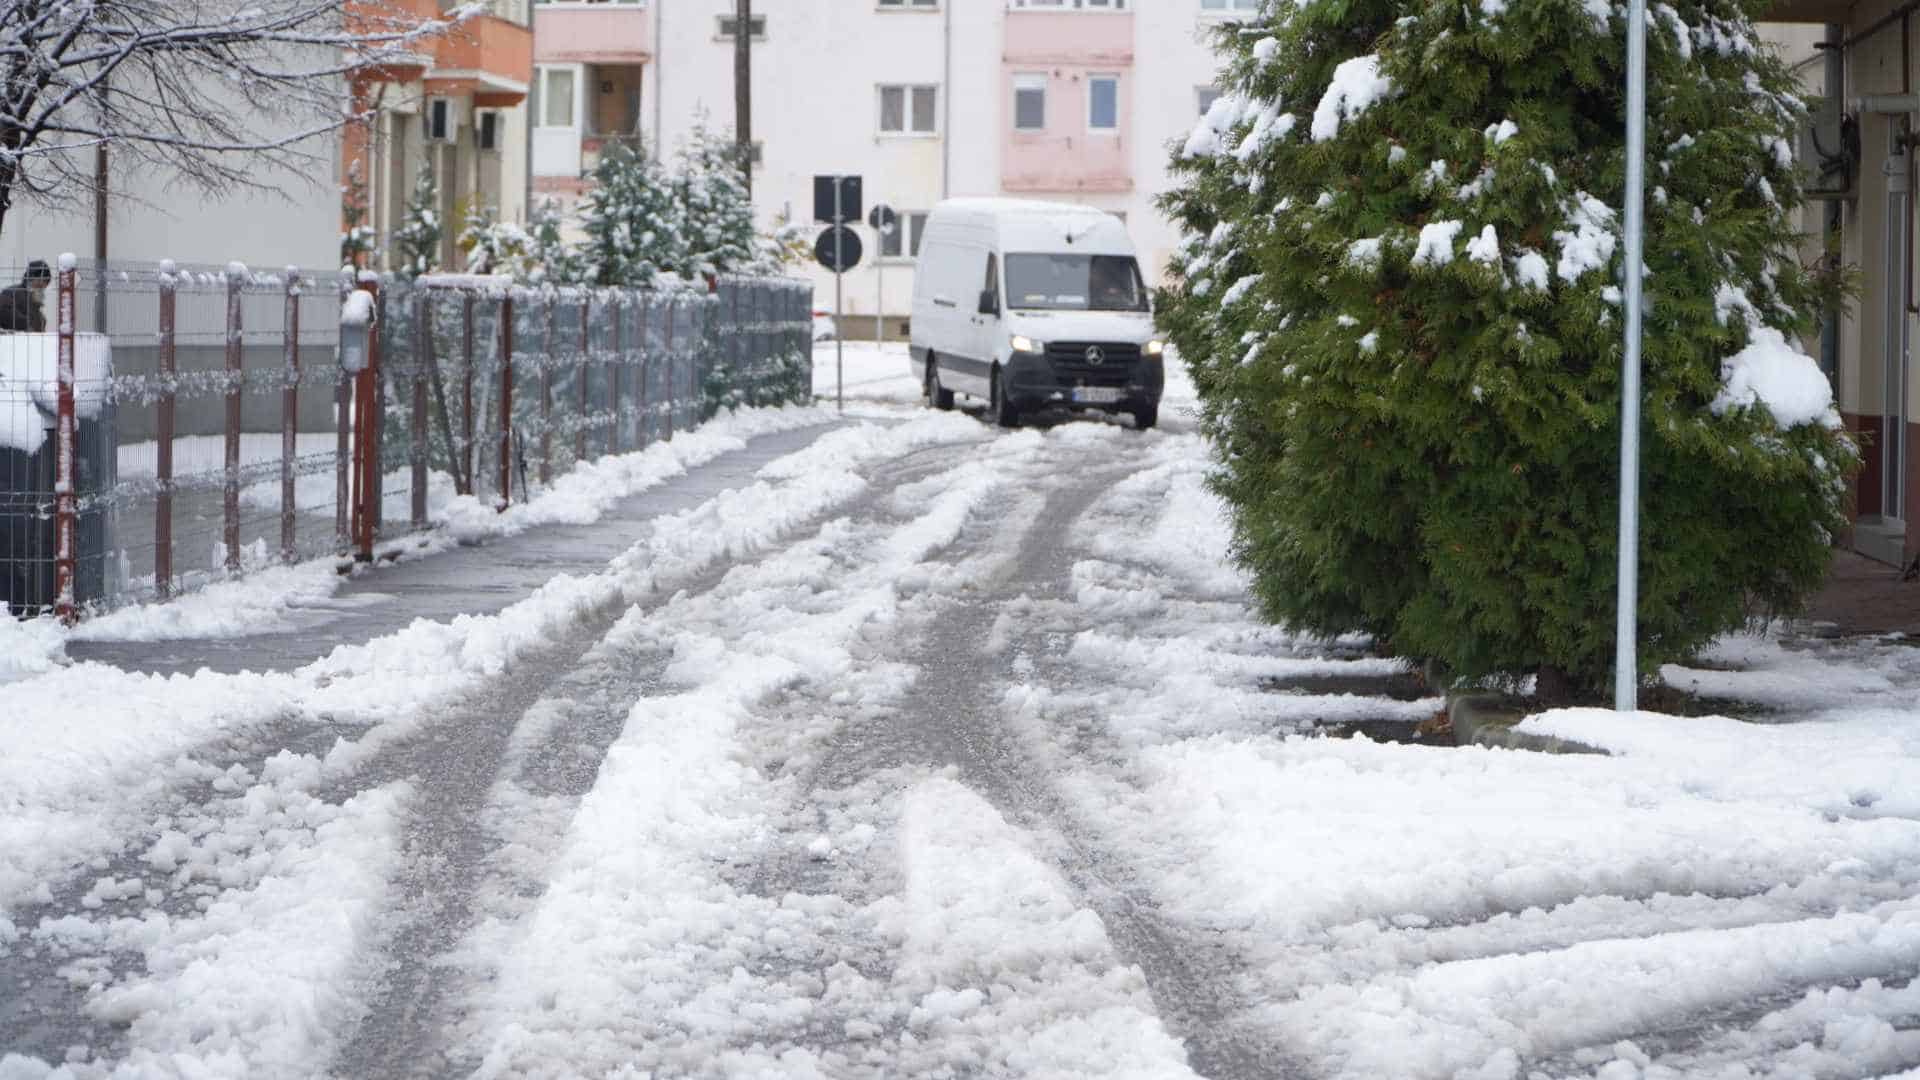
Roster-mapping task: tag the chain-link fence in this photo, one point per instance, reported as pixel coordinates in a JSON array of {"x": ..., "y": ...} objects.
[{"x": 214, "y": 423}]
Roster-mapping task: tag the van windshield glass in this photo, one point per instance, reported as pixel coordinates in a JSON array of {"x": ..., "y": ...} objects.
[{"x": 1075, "y": 283}]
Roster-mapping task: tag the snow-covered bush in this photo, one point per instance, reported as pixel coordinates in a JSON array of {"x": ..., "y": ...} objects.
[
  {"x": 635, "y": 221},
  {"x": 418, "y": 237},
  {"x": 494, "y": 246},
  {"x": 1400, "y": 299},
  {"x": 718, "y": 215}
]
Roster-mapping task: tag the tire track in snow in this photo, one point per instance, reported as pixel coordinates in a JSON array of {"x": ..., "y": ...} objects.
[
  {"x": 452, "y": 877},
  {"x": 957, "y": 719}
]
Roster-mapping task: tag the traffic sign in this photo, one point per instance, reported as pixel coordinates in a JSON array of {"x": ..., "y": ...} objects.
[
  {"x": 846, "y": 209},
  {"x": 838, "y": 248},
  {"x": 883, "y": 219}
]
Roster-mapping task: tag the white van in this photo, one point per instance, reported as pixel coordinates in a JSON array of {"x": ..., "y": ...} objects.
[{"x": 1033, "y": 305}]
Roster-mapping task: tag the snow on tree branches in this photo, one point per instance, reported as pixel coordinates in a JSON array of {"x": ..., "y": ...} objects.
[{"x": 1423, "y": 446}]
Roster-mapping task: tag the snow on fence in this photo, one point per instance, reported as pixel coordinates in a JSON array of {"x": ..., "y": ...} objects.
[{"x": 214, "y": 426}]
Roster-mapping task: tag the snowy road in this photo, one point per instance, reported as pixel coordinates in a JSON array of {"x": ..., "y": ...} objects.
[{"x": 936, "y": 750}]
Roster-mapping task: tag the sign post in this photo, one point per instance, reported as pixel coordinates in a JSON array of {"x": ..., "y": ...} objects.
[
  {"x": 836, "y": 199},
  {"x": 884, "y": 221},
  {"x": 1627, "y": 600}
]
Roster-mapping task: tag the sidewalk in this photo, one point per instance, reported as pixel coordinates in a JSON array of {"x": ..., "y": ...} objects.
[
  {"x": 1863, "y": 597},
  {"x": 478, "y": 580}
]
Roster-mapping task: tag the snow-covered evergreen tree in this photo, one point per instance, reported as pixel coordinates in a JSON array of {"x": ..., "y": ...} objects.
[
  {"x": 719, "y": 212},
  {"x": 418, "y": 237},
  {"x": 356, "y": 236},
  {"x": 1400, "y": 301},
  {"x": 634, "y": 221},
  {"x": 550, "y": 259}
]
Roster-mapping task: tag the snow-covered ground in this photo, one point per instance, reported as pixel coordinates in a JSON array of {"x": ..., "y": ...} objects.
[{"x": 937, "y": 750}]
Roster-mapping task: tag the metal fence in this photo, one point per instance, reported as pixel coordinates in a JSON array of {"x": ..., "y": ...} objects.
[{"x": 211, "y": 427}]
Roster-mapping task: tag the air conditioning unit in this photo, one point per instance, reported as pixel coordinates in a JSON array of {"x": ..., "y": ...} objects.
[
  {"x": 486, "y": 129},
  {"x": 440, "y": 120}
]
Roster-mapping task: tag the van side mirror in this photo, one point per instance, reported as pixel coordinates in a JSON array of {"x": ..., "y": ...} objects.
[{"x": 989, "y": 303}]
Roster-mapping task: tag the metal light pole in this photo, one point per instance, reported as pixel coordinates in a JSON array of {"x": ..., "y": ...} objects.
[{"x": 1625, "y": 679}]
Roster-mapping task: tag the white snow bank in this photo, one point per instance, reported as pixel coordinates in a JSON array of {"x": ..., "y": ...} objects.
[
  {"x": 1357, "y": 85},
  {"x": 1772, "y": 373},
  {"x": 30, "y": 647}
]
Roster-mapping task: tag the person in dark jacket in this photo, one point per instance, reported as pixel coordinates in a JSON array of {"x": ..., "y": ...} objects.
[{"x": 20, "y": 305}]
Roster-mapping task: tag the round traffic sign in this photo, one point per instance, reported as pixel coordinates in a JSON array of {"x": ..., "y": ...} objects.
[
  {"x": 883, "y": 219},
  {"x": 838, "y": 248}
]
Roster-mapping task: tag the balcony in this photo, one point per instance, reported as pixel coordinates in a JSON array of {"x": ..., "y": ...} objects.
[
  {"x": 488, "y": 57},
  {"x": 1065, "y": 163},
  {"x": 1042, "y": 38},
  {"x": 592, "y": 33}
]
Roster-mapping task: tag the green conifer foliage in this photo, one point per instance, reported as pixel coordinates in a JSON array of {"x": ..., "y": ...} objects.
[
  {"x": 550, "y": 259},
  {"x": 356, "y": 235},
  {"x": 1399, "y": 300},
  {"x": 634, "y": 221},
  {"x": 719, "y": 213},
  {"x": 418, "y": 236}
]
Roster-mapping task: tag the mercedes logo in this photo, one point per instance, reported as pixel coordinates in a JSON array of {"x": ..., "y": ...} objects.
[{"x": 1096, "y": 355}]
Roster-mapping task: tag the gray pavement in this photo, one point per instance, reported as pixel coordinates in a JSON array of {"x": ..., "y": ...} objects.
[{"x": 476, "y": 580}]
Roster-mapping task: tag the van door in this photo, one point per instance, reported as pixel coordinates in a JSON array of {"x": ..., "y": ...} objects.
[{"x": 982, "y": 330}]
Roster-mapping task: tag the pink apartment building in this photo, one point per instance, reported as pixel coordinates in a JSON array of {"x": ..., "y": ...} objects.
[{"x": 1069, "y": 100}]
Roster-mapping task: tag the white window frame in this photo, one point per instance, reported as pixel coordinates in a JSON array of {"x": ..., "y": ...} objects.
[
  {"x": 1228, "y": 9},
  {"x": 1200, "y": 100},
  {"x": 721, "y": 20},
  {"x": 1108, "y": 6},
  {"x": 909, "y": 234},
  {"x": 1114, "y": 77},
  {"x": 907, "y": 5},
  {"x": 907, "y": 93},
  {"x": 1029, "y": 80},
  {"x": 543, "y": 72}
]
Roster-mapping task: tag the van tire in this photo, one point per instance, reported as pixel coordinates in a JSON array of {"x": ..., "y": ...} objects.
[
  {"x": 937, "y": 396},
  {"x": 1146, "y": 416},
  {"x": 1003, "y": 411}
]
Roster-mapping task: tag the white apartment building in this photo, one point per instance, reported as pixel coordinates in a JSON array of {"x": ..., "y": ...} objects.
[{"x": 1067, "y": 100}]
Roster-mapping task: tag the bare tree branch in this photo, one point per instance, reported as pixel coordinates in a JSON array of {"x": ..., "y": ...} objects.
[{"x": 219, "y": 93}]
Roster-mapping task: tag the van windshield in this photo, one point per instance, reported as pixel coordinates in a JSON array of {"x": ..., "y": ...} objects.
[{"x": 1075, "y": 283}]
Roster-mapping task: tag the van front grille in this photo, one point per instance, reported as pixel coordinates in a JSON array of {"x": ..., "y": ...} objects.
[{"x": 1072, "y": 358}]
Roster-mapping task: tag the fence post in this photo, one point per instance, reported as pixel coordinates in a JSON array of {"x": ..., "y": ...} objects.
[
  {"x": 163, "y": 444},
  {"x": 63, "y": 493},
  {"x": 546, "y": 396},
  {"x": 673, "y": 302},
  {"x": 343, "y": 446},
  {"x": 643, "y": 418},
  {"x": 417, "y": 429},
  {"x": 580, "y": 381},
  {"x": 289, "y": 414},
  {"x": 619, "y": 304},
  {"x": 230, "y": 536},
  {"x": 366, "y": 438},
  {"x": 466, "y": 387},
  {"x": 506, "y": 404}
]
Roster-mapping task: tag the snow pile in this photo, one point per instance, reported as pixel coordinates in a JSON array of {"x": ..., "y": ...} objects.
[
  {"x": 1435, "y": 247},
  {"x": 1589, "y": 246},
  {"x": 1357, "y": 84},
  {"x": 1485, "y": 248},
  {"x": 1772, "y": 373},
  {"x": 29, "y": 647},
  {"x": 1207, "y": 138},
  {"x": 1530, "y": 270},
  {"x": 1365, "y": 254},
  {"x": 30, "y": 384}
]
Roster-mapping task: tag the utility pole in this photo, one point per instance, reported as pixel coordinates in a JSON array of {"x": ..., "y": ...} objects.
[{"x": 743, "y": 89}]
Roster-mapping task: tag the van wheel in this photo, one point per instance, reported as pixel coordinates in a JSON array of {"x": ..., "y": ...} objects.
[
  {"x": 1146, "y": 416},
  {"x": 1003, "y": 411},
  {"x": 937, "y": 397}
]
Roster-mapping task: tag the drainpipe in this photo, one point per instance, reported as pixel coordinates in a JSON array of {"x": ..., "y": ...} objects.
[
  {"x": 659, "y": 84},
  {"x": 946, "y": 97}
]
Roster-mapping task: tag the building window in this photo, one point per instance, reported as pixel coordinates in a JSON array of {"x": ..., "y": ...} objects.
[
  {"x": 728, "y": 25},
  {"x": 1206, "y": 96},
  {"x": 1072, "y": 5},
  {"x": 908, "y": 110},
  {"x": 1029, "y": 102},
  {"x": 553, "y": 96},
  {"x": 1103, "y": 103},
  {"x": 904, "y": 241},
  {"x": 902, "y": 5},
  {"x": 1251, "y": 7}
]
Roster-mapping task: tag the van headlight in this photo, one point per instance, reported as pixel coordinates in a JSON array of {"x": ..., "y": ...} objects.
[
  {"x": 1023, "y": 343},
  {"x": 1154, "y": 347}
]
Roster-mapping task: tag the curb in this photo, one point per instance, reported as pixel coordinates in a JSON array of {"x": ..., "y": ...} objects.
[{"x": 1489, "y": 720}]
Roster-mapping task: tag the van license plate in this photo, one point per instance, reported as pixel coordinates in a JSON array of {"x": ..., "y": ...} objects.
[{"x": 1096, "y": 395}]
